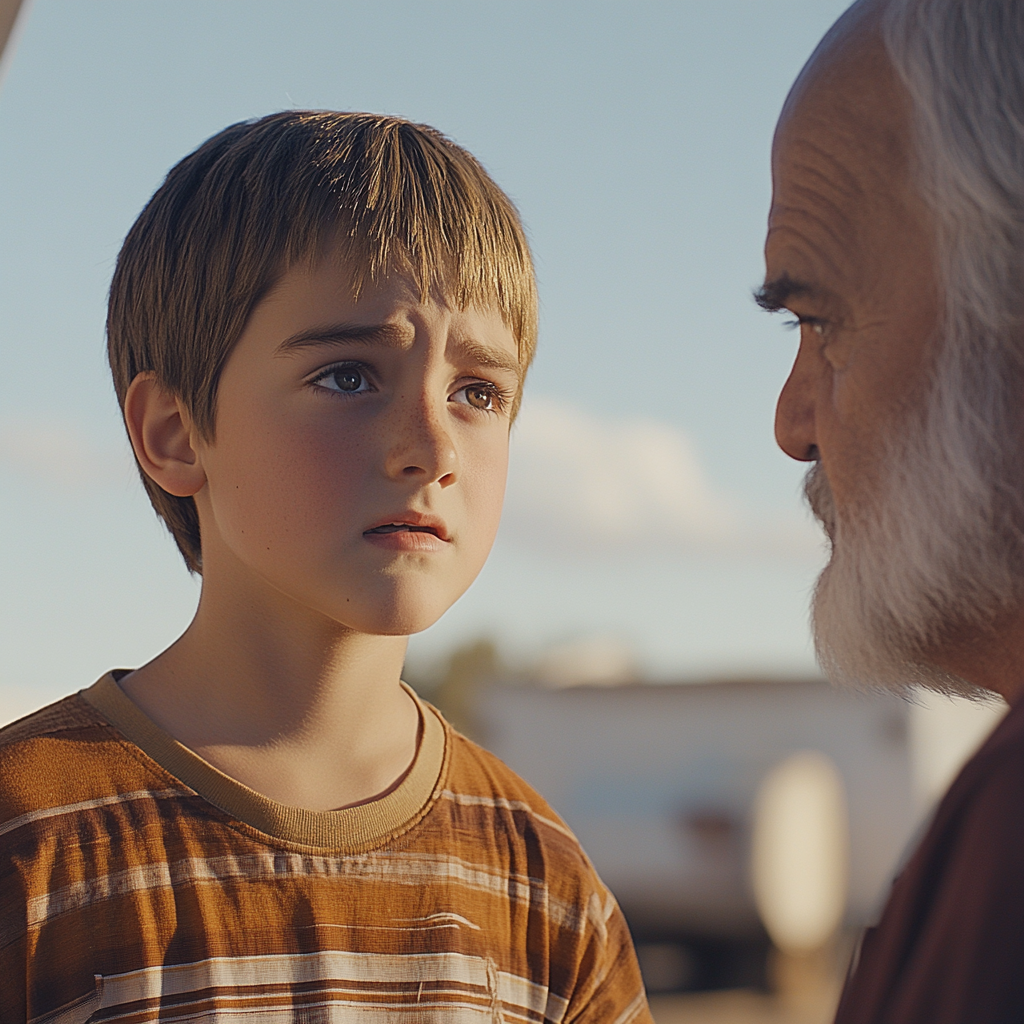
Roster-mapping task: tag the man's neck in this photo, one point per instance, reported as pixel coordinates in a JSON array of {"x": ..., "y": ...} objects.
[
  {"x": 993, "y": 659},
  {"x": 294, "y": 706}
]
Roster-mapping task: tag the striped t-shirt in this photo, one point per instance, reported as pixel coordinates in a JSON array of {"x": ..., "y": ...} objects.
[{"x": 139, "y": 883}]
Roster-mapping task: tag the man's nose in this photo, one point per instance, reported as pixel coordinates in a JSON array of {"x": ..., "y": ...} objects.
[
  {"x": 795, "y": 427},
  {"x": 422, "y": 449}
]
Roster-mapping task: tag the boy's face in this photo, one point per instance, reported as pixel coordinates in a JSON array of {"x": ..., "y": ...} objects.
[{"x": 361, "y": 450}]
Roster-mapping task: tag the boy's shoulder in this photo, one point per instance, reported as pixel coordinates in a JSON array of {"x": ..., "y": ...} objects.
[
  {"x": 63, "y": 757},
  {"x": 57, "y": 720},
  {"x": 484, "y": 806},
  {"x": 478, "y": 778}
]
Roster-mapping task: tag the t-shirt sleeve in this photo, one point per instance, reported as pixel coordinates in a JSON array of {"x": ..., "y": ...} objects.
[
  {"x": 609, "y": 988},
  {"x": 950, "y": 946}
]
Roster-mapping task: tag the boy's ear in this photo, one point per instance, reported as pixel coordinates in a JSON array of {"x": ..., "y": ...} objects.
[{"x": 161, "y": 433}]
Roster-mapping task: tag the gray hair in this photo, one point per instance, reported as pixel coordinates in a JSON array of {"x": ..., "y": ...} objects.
[{"x": 962, "y": 63}]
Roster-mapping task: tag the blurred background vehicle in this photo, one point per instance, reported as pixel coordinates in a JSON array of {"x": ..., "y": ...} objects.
[{"x": 660, "y": 783}]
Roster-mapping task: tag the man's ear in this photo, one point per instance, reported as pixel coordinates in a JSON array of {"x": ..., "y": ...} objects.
[{"x": 161, "y": 432}]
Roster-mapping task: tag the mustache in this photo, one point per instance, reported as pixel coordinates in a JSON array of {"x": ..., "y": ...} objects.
[{"x": 819, "y": 498}]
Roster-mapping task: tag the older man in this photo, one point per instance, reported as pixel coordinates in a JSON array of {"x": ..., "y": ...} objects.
[{"x": 896, "y": 240}]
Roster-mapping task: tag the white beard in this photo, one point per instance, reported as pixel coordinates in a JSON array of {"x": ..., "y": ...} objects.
[{"x": 933, "y": 558}]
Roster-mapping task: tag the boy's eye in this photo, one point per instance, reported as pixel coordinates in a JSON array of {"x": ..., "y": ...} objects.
[
  {"x": 479, "y": 396},
  {"x": 349, "y": 380}
]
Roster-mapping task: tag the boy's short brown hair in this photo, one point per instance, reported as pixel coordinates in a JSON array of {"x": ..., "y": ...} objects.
[{"x": 391, "y": 196}]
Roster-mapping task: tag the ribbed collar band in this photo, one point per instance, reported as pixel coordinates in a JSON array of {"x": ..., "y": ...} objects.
[{"x": 350, "y": 829}]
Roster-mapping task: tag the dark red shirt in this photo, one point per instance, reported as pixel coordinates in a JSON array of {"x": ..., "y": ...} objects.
[{"x": 949, "y": 948}]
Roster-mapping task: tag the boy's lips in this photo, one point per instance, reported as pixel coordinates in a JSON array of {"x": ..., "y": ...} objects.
[{"x": 408, "y": 530}]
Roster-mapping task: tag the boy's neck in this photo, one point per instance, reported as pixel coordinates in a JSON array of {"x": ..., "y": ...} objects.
[{"x": 296, "y": 707}]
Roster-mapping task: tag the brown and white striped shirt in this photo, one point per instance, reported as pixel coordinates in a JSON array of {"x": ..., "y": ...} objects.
[{"x": 139, "y": 883}]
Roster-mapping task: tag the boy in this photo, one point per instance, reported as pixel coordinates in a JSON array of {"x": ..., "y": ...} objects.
[{"x": 318, "y": 331}]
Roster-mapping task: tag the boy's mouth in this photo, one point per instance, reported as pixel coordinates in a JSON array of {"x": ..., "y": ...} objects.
[
  {"x": 410, "y": 522},
  {"x": 399, "y": 527}
]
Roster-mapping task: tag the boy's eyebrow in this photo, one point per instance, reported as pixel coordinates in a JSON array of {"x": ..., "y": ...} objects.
[
  {"x": 393, "y": 336},
  {"x": 386, "y": 335},
  {"x": 488, "y": 358}
]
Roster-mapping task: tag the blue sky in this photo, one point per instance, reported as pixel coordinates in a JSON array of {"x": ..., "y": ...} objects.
[{"x": 647, "y": 501}]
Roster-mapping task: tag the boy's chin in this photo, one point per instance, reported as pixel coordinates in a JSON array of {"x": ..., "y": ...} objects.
[
  {"x": 399, "y": 619},
  {"x": 380, "y": 605},
  {"x": 398, "y": 626}
]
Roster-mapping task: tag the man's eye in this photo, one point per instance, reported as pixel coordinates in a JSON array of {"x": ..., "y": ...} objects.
[
  {"x": 479, "y": 396},
  {"x": 818, "y": 326},
  {"x": 349, "y": 380}
]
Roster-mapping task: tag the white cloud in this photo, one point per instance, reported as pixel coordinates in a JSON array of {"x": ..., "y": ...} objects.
[
  {"x": 62, "y": 454},
  {"x": 581, "y": 482}
]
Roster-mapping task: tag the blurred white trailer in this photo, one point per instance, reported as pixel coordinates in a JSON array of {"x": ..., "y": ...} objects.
[{"x": 659, "y": 783}]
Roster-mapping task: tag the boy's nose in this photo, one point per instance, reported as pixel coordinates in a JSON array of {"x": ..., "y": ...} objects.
[{"x": 423, "y": 449}]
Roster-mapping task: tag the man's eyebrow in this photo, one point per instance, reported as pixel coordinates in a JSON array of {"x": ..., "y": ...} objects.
[
  {"x": 386, "y": 335},
  {"x": 773, "y": 295}
]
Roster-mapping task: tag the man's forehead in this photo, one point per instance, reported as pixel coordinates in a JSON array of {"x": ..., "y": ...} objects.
[
  {"x": 850, "y": 60},
  {"x": 850, "y": 106},
  {"x": 840, "y": 162}
]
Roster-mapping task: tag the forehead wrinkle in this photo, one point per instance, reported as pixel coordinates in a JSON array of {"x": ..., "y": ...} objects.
[
  {"x": 809, "y": 246},
  {"x": 833, "y": 188},
  {"x": 819, "y": 162},
  {"x": 827, "y": 215}
]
